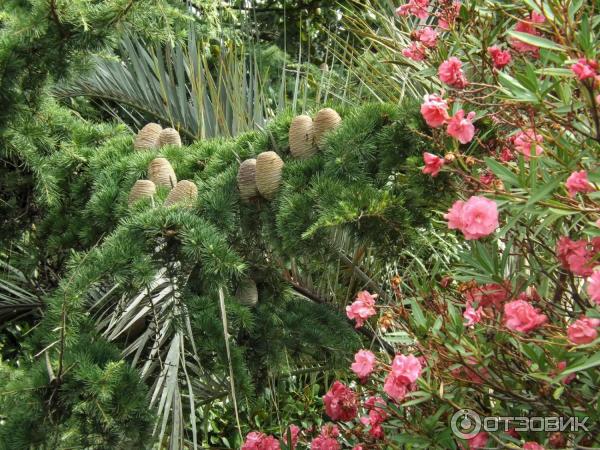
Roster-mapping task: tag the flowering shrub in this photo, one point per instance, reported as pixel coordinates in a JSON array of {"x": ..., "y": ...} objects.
[{"x": 511, "y": 328}]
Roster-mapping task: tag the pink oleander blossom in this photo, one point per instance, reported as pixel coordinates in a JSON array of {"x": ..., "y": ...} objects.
[
  {"x": 500, "y": 57},
  {"x": 417, "y": 8},
  {"x": 584, "y": 69},
  {"x": 529, "y": 27},
  {"x": 433, "y": 164},
  {"x": 260, "y": 441},
  {"x": 407, "y": 368},
  {"x": 583, "y": 330},
  {"x": 434, "y": 110},
  {"x": 593, "y": 287},
  {"x": 486, "y": 295},
  {"x": 478, "y": 441},
  {"x": 532, "y": 446},
  {"x": 451, "y": 73},
  {"x": 340, "y": 402},
  {"x": 461, "y": 127},
  {"x": 427, "y": 36},
  {"x": 295, "y": 432},
  {"x": 324, "y": 443},
  {"x": 527, "y": 142},
  {"x": 472, "y": 316},
  {"x": 578, "y": 182},
  {"x": 364, "y": 363},
  {"x": 520, "y": 316},
  {"x": 475, "y": 218},
  {"x": 415, "y": 51},
  {"x": 577, "y": 256},
  {"x": 395, "y": 387},
  {"x": 448, "y": 14},
  {"x": 362, "y": 308}
]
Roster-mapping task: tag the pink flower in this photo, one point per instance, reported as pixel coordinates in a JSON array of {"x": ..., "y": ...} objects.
[
  {"x": 478, "y": 441},
  {"x": 395, "y": 387},
  {"x": 433, "y": 164},
  {"x": 447, "y": 16},
  {"x": 416, "y": 52},
  {"x": 454, "y": 215},
  {"x": 562, "y": 365},
  {"x": 525, "y": 140},
  {"x": 593, "y": 287},
  {"x": 260, "y": 441},
  {"x": 532, "y": 446},
  {"x": 528, "y": 27},
  {"x": 583, "y": 331},
  {"x": 407, "y": 368},
  {"x": 491, "y": 294},
  {"x": 578, "y": 182},
  {"x": 476, "y": 218},
  {"x": 427, "y": 36},
  {"x": 434, "y": 110},
  {"x": 472, "y": 316},
  {"x": 357, "y": 447},
  {"x": 519, "y": 315},
  {"x": 461, "y": 127},
  {"x": 575, "y": 256},
  {"x": 417, "y": 8},
  {"x": 450, "y": 72},
  {"x": 340, "y": 402},
  {"x": 584, "y": 68},
  {"x": 362, "y": 308},
  {"x": 364, "y": 363},
  {"x": 324, "y": 443},
  {"x": 294, "y": 431},
  {"x": 500, "y": 57}
]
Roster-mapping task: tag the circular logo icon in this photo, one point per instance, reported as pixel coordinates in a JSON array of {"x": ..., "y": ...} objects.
[{"x": 465, "y": 423}]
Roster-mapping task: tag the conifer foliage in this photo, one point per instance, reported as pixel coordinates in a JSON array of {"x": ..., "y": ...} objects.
[{"x": 138, "y": 307}]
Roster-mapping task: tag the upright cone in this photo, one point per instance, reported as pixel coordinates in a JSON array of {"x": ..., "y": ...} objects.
[
  {"x": 247, "y": 293},
  {"x": 301, "y": 137},
  {"x": 169, "y": 136},
  {"x": 268, "y": 174},
  {"x": 141, "y": 189},
  {"x": 147, "y": 137},
  {"x": 246, "y": 179},
  {"x": 161, "y": 173},
  {"x": 326, "y": 120},
  {"x": 185, "y": 192}
]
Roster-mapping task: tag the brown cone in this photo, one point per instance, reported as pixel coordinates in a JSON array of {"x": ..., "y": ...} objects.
[
  {"x": 301, "y": 137},
  {"x": 326, "y": 120},
  {"x": 268, "y": 173},
  {"x": 147, "y": 137},
  {"x": 161, "y": 173},
  {"x": 169, "y": 136},
  {"x": 141, "y": 189},
  {"x": 185, "y": 192},
  {"x": 246, "y": 179}
]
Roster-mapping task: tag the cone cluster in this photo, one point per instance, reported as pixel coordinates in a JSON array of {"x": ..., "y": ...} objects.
[{"x": 247, "y": 293}]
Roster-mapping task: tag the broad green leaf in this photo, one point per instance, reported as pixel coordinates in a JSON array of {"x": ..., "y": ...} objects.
[{"x": 536, "y": 41}]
